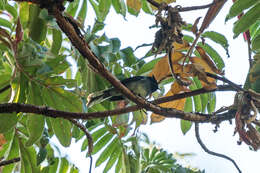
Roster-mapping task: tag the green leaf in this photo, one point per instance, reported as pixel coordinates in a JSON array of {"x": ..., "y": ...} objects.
[
  {"x": 59, "y": 81},
  {"x": 7, "y": 121},
  {"x": 64, "y": 165},
  {"x": 96, "y": 9},
  {"x": 185, "y": 126},
  {"x": 56, "y": 41},
  {"x": 61, "y": 99},
  {"x": 196, "y": 99},
  {"x": 107, "y": 152},
  {"x": 256, "y": 43},
  {"x": 97, "y": 27},
  {"x": 238, "y": 7},
  {"x": 5, "y": 23},
  {"x": 115, "y": 44},
  {"x": 98, "y": 133},
  {"x": 6, "y": 146},
  {"x": 116, "y": 154},
  {"x": 38, "y": 26},
  {"x": 102, "y": 142},
  {"x": 35, "y": 123},
  {"x": 12, "y": 10},
  {"x": 255, "y": 29},
  {"x": 28, "y": 159},
  {"x": 203, "y": 97},
  {"x": 119, "y": 164},
  {"x": 62, "y": 129},
  {"x": 73, "y": 7},
  {"x": 104, "y": 6},
  {"x": 218, "y": 38},
  {"x": 74, "y": 169},
  {"x": 212, "y": 102},
  {"x": 13, "y": 153},
  {"x": 23, "y": 13},
  {"x": 54, "y": 166},
  {"x": 83, "y": 12},
  {"x": 247, "y": 20},
  {"x": 147, "y": 7},
  {"x": 128, "y": 56},
  {"x": 35, "y": 126},
  {"x": 119, "y": 6},
  {"x": 147, "y": 67}
]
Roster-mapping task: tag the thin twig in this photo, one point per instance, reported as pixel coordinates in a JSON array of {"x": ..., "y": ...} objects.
[
  {"x": 85, "y": 130},
  {"x": 154, "y": 3},
  {"x": 222, "y": 78},
  {"x": 203, "y": 146},
  {"x": 11, "y": 161},
  {"x": 175, "y": 76},
  {"x": 249, "y": 54},
  {"x": 5, "y": 88},
  {"x": 184, "y": 9},
  {"x": 89, "y": 137}
]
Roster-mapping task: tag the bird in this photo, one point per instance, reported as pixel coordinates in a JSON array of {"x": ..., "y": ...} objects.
[{"x": 139, "y": 85}]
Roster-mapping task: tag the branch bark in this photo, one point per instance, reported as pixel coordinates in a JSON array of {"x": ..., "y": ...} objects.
[{"x": 196, "y": 117}]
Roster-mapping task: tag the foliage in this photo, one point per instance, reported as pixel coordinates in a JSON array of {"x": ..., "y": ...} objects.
[{"x": 35, "y": 69}]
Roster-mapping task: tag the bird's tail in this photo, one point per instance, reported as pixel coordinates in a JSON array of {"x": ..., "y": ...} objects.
[{"x": 98, "y": 97}]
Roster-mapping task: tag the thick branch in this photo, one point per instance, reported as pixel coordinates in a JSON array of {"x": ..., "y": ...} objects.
[{"x": 27, "y": 108}]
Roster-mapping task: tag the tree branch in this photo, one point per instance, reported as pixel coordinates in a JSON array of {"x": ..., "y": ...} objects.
[
  {"x": 203, "y": 146},
  {"x": 172, "y": 113},
  {"x": 222, "y": 78},
  {"x": 7, "y": 162},
  {"x": 182, "y": 9},
  {"x": 89, "y": 137}
]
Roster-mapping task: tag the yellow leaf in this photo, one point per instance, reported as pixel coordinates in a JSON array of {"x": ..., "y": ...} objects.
[
  {"x": 161, "y": 69},
  {"x": 179, "y": 47},
  {"x": 177, "y": 104},
  {"x": 134, "y": 4}
]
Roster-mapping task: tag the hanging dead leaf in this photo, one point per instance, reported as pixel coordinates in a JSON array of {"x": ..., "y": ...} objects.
[
  {"x": 194, "y": 28},
  {"x": 254, "y": 135},
  {"x": 134, "y": 4},
  {"x": 198, "y": 68},
  {"x": 208, "y": 60},
  {"x": 177, "y": 104}
]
